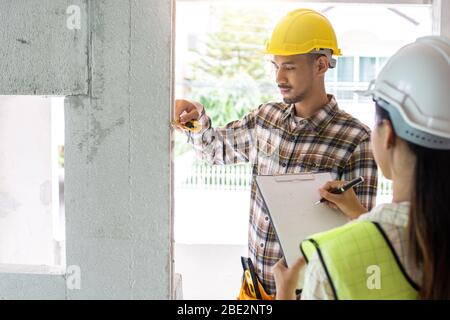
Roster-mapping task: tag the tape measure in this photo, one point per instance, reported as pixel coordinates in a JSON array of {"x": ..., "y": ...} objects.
[
  {"x": 192, "y": 125},
  {"x": 250, "y": 284}
]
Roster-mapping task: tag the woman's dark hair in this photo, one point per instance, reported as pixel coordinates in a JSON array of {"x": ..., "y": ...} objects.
[{"x": 429, "y": 222}]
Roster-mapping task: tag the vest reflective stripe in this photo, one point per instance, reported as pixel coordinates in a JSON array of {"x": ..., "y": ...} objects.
[{"x": 360, "y": 263}]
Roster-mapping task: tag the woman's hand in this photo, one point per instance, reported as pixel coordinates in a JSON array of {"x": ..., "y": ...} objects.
[
  {"x": 347, "y": 202},
  {"x": 286, "y": 278}
]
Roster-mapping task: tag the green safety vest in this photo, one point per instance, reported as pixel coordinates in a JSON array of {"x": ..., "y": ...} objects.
[{"x": 360, "y": 263}]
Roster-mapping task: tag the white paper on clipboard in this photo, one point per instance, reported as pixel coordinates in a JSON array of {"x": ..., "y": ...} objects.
[{"x": 291, "y": 200}]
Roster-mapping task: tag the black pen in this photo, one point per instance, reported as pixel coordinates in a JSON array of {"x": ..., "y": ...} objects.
[{"x": 344, "y": 188}]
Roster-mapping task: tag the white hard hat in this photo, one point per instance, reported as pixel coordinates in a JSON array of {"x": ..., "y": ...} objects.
[{"x": 414, "y": 87}]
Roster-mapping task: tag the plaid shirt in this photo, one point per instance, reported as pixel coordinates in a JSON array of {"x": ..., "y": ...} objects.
[{"x": 274, "y": 142}]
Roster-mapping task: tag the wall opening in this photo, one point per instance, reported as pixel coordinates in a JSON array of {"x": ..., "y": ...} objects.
[
  {"x": 32, "y": 230},
  {"x": 217, "y": 63}
]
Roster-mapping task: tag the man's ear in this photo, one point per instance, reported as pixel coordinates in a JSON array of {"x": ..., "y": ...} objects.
[{"x": 322, "y": 65}]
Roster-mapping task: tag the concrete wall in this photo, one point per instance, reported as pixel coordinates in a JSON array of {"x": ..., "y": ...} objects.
[
  {"x": 117, "y": 190},
  {"x": 39, "y": 55},
  {"x": 117, "y": 201}
]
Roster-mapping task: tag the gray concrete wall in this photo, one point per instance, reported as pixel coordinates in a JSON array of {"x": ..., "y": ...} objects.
[
  {"x": 117, "y": 191},
  {"x": 39, "y": 55},
  {"x": 117, "y": 202}
]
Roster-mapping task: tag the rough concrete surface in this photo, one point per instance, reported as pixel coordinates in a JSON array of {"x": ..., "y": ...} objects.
[
  {"x": 39, "y": 54},
  {"x": 117, "y": 77}
]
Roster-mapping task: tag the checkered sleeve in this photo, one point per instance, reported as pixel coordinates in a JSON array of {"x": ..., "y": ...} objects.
[
  {"x": 231, "y": 144},
  {"x": 362, "y": 163},
  {"x": 316, "y": 283}
]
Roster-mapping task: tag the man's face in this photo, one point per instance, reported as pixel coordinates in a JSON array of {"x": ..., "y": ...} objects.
[{"x": 294, "y": 76}]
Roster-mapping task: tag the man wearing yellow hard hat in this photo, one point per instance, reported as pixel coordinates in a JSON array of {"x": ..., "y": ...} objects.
[{"x": 307, "y": 132}]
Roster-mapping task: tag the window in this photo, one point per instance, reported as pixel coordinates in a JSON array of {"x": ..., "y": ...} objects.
[
  {"x": 367, "y": 67},
  {"x": 32, "y": 177},
  {"x": 345, "y": 69}
]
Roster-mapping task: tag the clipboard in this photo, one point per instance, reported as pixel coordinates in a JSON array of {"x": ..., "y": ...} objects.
[{"x": 290, "y": 200}]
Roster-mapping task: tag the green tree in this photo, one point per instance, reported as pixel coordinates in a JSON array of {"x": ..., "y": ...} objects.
[
  {"x": 236, "y": 47},
  {"x": 230, "y": 68},
  {"x": 230, "y": 74}
]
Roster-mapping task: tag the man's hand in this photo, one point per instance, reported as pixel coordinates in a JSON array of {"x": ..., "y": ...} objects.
[
  {"x": 347, "y": 202},
  {"x": 185, "y": 111},
  {"x": 286, "y": 279}
]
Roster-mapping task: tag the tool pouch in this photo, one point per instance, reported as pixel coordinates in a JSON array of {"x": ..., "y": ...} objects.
[{"x": 252, "y": 288}]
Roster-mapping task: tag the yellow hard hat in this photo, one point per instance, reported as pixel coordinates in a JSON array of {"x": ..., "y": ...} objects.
[{"x": 302, "y": 31}]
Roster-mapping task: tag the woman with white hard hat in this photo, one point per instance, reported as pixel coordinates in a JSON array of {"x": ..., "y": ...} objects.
[{"x": 399, "y": 250}]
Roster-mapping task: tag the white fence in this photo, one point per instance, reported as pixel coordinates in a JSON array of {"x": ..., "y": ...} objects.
[
  {"x": 238, "y": 177},
  {"x": 230, "y": 177}
]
